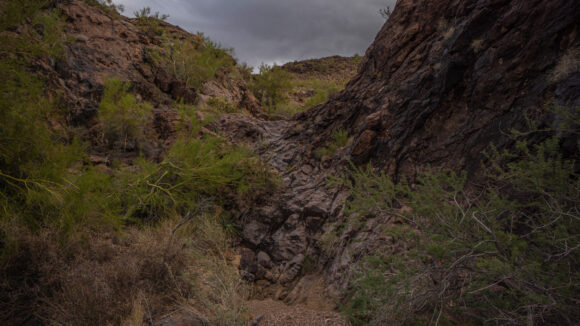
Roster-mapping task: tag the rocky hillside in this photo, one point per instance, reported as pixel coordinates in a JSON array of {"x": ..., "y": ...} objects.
[
  {"x": 441, "y": 83},
  {"x": 143, "y": 182},
  {"x": 104, "y": 45},
  {"x": 116, "y": 201},
  {"x": 443, "y": 80},
  {"x": 315, "y": 80},
  {"x": 332, "y": 68}
]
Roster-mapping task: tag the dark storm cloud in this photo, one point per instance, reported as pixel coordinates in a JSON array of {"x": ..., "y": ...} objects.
[{"x": 277, "y": 31}]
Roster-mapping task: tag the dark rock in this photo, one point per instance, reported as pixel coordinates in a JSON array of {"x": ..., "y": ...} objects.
[
  {"x": 443, "y": 80},
  {"x": 264, "y": 259},
  {"x": 248, "y": 261},
  {"x": 254, "y": 232},
  {"x": 293, "y": 268}
]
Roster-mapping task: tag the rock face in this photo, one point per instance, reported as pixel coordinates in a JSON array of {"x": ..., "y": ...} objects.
[{"x": 442, "y": 80}]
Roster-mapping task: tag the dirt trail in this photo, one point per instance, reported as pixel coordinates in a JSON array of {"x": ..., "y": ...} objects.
[
  {"x": 275, "y": 313},
  {"x": 281, "y": 231}
]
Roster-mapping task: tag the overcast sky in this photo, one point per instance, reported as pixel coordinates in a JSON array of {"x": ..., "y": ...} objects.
[{"x": 276, "y": 31}]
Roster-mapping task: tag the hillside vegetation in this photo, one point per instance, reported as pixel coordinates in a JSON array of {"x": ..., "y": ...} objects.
[
  {"x": 117, "y": 243},
  {"x": 294, "y": 87}
]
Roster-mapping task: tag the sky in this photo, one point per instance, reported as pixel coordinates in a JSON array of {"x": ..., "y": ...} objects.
[{"x": 276, "y": 31}]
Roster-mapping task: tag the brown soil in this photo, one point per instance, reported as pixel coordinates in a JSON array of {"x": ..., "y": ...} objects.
[{"x": 275, "y": 313}]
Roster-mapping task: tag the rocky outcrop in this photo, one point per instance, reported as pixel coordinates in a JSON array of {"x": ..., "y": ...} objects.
[
  {"x": 442, "y": 81},
  {"x": 102, "y": 45}
]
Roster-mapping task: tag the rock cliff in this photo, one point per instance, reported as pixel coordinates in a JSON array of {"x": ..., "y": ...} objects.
[
  {"x": 441, "y": 82},
  {"x": 444, "y": 79}
]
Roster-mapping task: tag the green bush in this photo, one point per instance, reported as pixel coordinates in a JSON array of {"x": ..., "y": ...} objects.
[
  {"x": 220, "y": 105},
  {"x": 33, "y": 155},
  {"x": 150, "y": 21},
  {"x": 122, "y": 118},
  {"x": 505, "y": 251},
  {"x": 271, "y": 85},
  {"x": 339, "y": 139},
  {"x": 321, "y": 95},
  {"x": 195, "y": 61}
]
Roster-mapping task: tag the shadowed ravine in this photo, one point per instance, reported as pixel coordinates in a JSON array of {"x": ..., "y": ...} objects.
[{"x": 147, "y": 178}]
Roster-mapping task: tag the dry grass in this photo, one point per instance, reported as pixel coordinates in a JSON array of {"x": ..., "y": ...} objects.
[
  {"x": 449, "y": 33},
  {"x": 477, "y": 45},
  {"x": 568, "y": 64},
  {"x": 133, "y": 278}
]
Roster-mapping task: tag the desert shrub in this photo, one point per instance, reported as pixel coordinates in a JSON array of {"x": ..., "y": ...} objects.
[
  {"x": 220, "y": 105},
  {"x": 271, "y": 85},
  {"x": 33, "y": 156},
  {"x": 318, "y": 90},
  {"x": 193, "y": 170},
  {"x": 197, "y": 60},
  {"x": 141, "y": 274},
  {"x": 122, "y": 118},
  {"x": 321, "y": 95},
  {"x": 503, "y": 252},
  {"x": 244, "y": 72},
  {"x": 339, "y": 139},
  {"x": 221, "y": 290},
  {"x": 150, "y": 21}
]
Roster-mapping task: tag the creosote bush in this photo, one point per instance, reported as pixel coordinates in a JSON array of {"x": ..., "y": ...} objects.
[
  {"x": 285, "y": 94},
  {"x": 505, "y": 251},
  {"x": 122, "y": 118}
]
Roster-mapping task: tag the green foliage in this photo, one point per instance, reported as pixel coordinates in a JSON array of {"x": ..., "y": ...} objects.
[
  {"x": 59, "y": 213},
  {"x": 321, "y": 95},
  {"x": 106, "y": 5},
  {"x": 150, "y": 21},
  {"x": 220, "y": 105},
  {"x": 195, "y": 61},
  {"x": 33, "y": 156},
  {"x": 339, "y": 139},
  {"x": 193, "y": 170},
  {"x": 271, "y": 85},
  {"x": 505, "y": 252},
  {"x": 40, "y": 31},
  {"x": 123, "y": 119},
  {"x": 317, "y": 90}
]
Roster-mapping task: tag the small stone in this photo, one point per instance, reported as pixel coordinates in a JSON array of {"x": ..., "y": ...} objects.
[
  {"x": 264, "y": 259},
  {"x": 254, "y": 232}
]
